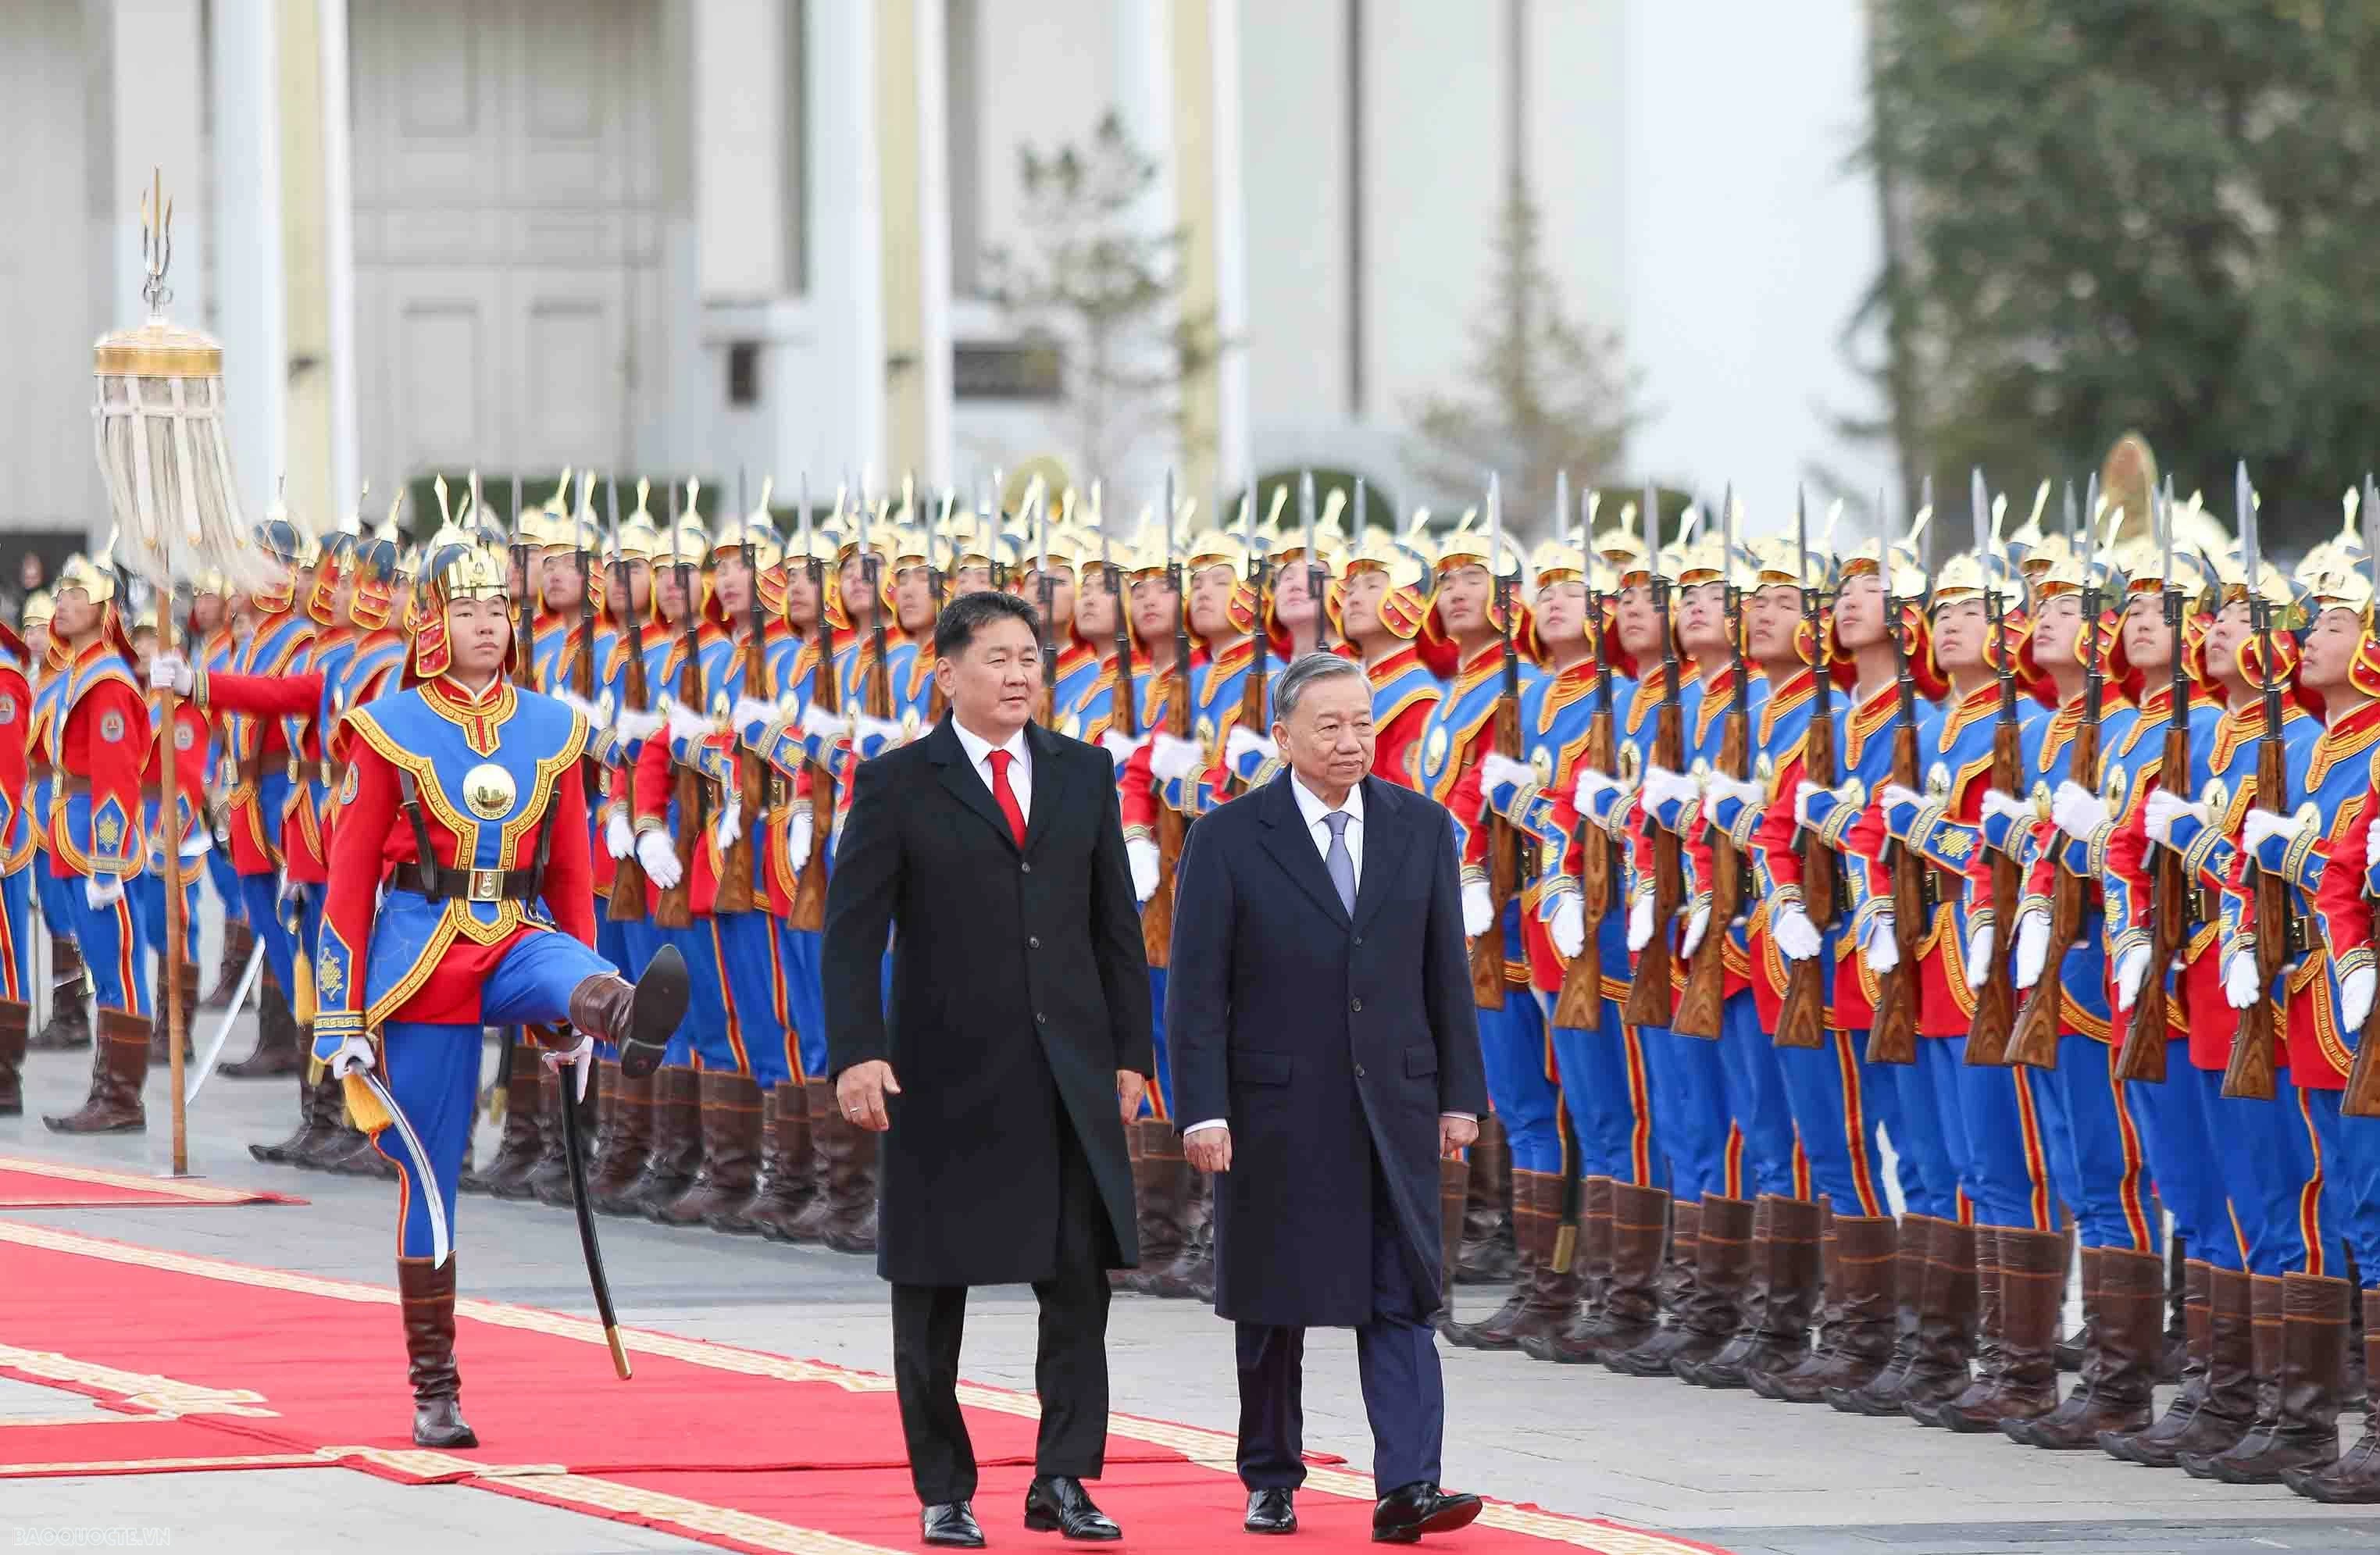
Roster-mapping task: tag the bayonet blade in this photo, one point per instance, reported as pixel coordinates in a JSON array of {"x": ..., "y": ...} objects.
[
  {"x": 1651, "y": 513},
  {"x": 2070, "y": 515},
  {"x": 1979, "y": 500},
  {"x": 1495, "y": 526},
  {"x": 1306, "y": 510},
  {"x": 2372, "y": 534},
  {"x": 2243, "y": 503},
  {"x": 1561, "y": 499}
]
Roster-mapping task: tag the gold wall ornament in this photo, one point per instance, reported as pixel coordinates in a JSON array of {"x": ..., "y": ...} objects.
[{"x": 490, "y": 790}]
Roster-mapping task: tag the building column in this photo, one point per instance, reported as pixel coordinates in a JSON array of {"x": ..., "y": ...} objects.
[
  {"x": 1214, "y": 261},
  {"x": 335, "y": 116},
  {"x": 1144, "y": 77},
  {"x": 315, "y": 495},
  {"x": 913, "y": 160},
  {"x": 250, "y": 314},
  {"x": 846, "y": 238}
]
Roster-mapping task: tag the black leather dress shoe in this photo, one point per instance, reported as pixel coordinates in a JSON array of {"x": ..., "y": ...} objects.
[
  {"x": 1270, "y": 1511},
  {"x": 1410, "y": 1511},
  {"x": 1057, "y": 1504},
  {"x": 951, "y": 1524}
]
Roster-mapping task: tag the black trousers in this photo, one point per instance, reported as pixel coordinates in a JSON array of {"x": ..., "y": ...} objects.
[{"x": 1070, "y": 1365}]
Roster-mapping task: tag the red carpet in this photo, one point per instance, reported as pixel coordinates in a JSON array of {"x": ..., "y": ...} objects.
[
  {"x": 26, "y": 1184},
  {"x": 737, "y": 1448}
]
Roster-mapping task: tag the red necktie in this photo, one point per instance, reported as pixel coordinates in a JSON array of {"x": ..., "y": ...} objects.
[{"x": 1005, "y": 795}]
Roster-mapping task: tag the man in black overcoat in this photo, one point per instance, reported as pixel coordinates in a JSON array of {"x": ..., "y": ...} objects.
[
  {"x": 1016, "y": 1042},
  {"x": 1324, "y": 1056}
]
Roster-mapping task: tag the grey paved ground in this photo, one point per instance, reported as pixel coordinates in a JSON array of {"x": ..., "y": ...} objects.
[{"x": 1732, "y": 1470}]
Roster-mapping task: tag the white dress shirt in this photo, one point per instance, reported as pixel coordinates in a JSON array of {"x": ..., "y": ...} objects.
[
  {"x": 1311, "y": 809},
  {"x": 1020, "y": 770}
]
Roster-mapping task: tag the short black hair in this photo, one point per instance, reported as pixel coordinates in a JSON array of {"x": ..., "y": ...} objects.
[{"x": 970, "y": 613}]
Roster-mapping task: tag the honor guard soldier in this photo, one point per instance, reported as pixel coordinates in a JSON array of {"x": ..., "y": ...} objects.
[
  {"x": 552, "y": 578},
  {"x": 147, "y": 888},
  {"x": 1380, "y": 613},
  {"x": 457, "y": 815},
  {"x": 99, "y": 740},
  {"x": 16, "y": 861},
  {"x": 214, "y": 637},
  {"x": 68, "y": 1025}
]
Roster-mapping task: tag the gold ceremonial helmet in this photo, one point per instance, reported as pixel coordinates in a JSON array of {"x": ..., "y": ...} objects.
[
  {"x": 40, "y": 609},
  {"x": 95, "y": 581},
  {"x": 753, "y": 527},
  {"x": 639, "y": 538}
]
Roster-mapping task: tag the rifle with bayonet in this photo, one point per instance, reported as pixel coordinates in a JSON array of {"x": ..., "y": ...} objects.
[
  {"x": 675, "y": 907},
  {"x": 2251, "y": 1072},
  {"x": 628, "y": 904},
  {"x": 2361, "y": 1097},
  {"x": 1893, "y": 1037},
  {"x": 1157, "y": 913},
  {"x": 582, "y": 664},
  {"x": 2172, "y": 901},
  {"x": 1580, "y": 1005},
  {"x": 524, "y": 558},
  {"x": 1124, "y": 689},
  {"x": 1650, "y": 998},
  {"x": 808, "y": 911},
  {"x": 1703, "y": 1002},
  {"x": 1995, "y": 1018},
  {"x": 2039, "y": 1019},
  {"x": 1253, "y": 687},
  {"x": 1487, "y": 986},
  {"x": 1801, "y": 1022},
  {"x": 740, "y": 885},
  {"x": 1047, "y": 587}
]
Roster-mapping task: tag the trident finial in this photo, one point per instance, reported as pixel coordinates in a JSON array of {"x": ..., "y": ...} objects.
[{"x": 156, "y": 241}]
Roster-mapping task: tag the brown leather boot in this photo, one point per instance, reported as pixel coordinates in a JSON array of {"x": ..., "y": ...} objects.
[
  {"x": 748, "y": 1128},
  {"x": 1453, "y": 1188},
  {"x": 313, "y": 1122},
  {"x": 731, "y": 1154},
  {"x": 2302, "y": 1430},
  {"x": 627, "y": 1132},
  {"x": 2075, "y": 1345},
  {"x": 158, "y": 1022},
  {"x": 705, "y": 1145},
  {"x": 1986, "y": 1319},
  {"x": 2228, "y": 1397},
  {"x": 850, "y": 1194},
  {"x": 792, "y": 1169},
  {"x": 1590, "y": 1335},
  {"x": 2173, "y": 1356},
  {"x": 638, "y": 1018},
  {"x": 69, "y": 1022},
  {"x": 2198, "y": 1332},
  {"x": 1489, "y": 1253},
  {"x": 1533, "y": 1243},
  {"x": 1675, "y": 1296},
  {"x": 2355, "y": 1380},
  {"x": 1755, "y": 1342},
  {"x": 1162, "y": 1179},
  {"x": 676, "y": 1149},
  {"x": 1861, "y": 1256},
  {"x": 16, "y": 1029},
  {"x": 2354, "y": 1480},
  {"x": 426, "y": 1297},
  {"x": 1195, "y": 1270},
  {"x": 1917, "y": 1251},
  {"x": 278, "y": 1050},
  {"x": 549, "y": 1180},
  {"x": 2024, "y": 1383},
  {"x": 826, "y": 1119},
  {"x": 2120, "y": 1372},
  {"x": 120, "y": 1069},
  {"x": 337, "y": 1146},
  {"x": 2262, "y": 1386},
  {"x": 1795, "y": 1260},
  {"x": 238, "y": 940},
  {"x": 523, "y": 1138},
  {"x": 1553, "y": 1296}
]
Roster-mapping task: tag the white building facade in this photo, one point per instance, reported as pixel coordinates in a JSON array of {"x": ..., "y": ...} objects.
[{"x": 712, "y": 235}]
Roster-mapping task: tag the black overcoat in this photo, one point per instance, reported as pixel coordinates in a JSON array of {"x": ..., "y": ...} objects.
[
  {"x": 1018, "y": 989},
  {"x": 1326, "y": 1043}
]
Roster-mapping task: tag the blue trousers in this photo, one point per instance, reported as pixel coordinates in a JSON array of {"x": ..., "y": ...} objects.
[
  {"x": 2351, "y": 1188},
  {"x": 1158, "y": 1102},
  {"x": 56, "y": 915},
  {"x": 1689, "y": 1098},
  {"x": 432, "y": 1071},
  {"x": 743, "y": 949},
  {"x": 2103, "y": 1178},
  {"x": 1512, "y": 1043},
  {"x": 17, "y": 932},
  {"x": 2181, "y": 1154},
  {"x": 1928, "y": 1133},
  {"x": 1396, "y": 1358},
  {"x": 2007, "y": 1177},
  {"x": 148, "y": 892},
  {"x": 1605, "y": 1088},
  {"x": 644, "y": 938},
  {"x": 224, "y": 879},
  {"x": 2270, "y": 1159},
  {"x": 113, "y": 948},
  {"x": 262, "y": 893},
  {"x": 1839, "y": 1102},
  {"x": 805, "y": 997},
  {"x": 1754, "y": 1088}
]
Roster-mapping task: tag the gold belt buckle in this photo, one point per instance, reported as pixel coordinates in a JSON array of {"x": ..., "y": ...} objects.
[{"x": 487, "y": 885}]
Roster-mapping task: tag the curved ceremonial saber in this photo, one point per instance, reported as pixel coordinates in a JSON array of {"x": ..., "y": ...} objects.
[
  {"x": 213, "y": 1053},
  {"x": 442, "y": 1246},
  {"x": 575, "y": 1148}
]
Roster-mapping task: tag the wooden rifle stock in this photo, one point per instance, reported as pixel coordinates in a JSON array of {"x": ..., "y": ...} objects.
[
  {"x": 1802, "y": 1021},
  {"x": 675, "y": 909},
  {"x": 628, "y": 883},
  {"x": 2143, "y": 1056},
  {"x": 1704, "y": 1000},
  {"x": 1580, "y": 1004},
  {"x": 1995, "y": 1019},
  {"x": 1503, "y": 876},
  {"x": 1893, "y": 1038},
  {"x": 737, "y": 863},
  {"x": 2034, "y": 1043},
  {"x": 808, "y": 910},
  {"x": 2251, "y": 1072},
  {"x": 1651, "y": 1000},
  {"x": 2361, "y": 1098},
  {"x": 1157, "y": 913}
]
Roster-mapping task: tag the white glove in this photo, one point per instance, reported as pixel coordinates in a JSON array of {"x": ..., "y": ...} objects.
[
  {"x": 1141, "y": 853},
  {"x": 1980, "y": 946},
  {"x": 2132, "y": 970},
  {"x": 619, "y": 837},
  {"x": 171, "y": 672},
  {"x": 820, "y": 724},
  {"x": 2262, "y": 826},
  {"x": 354, "y": 1057},
  {"x": 1478, "y": 912},
  {"x": 1568, "y": 928},
  {"x": 1796, "y": 936},
  {"x": 1999, "y": 803},
  {"x": 1171, "y": 758},
  {"x": 658, "y": 853},
  {"x": 102, "y": 892},
  {"x": 1121, "y": 746},
  {"x": 1697, "y": 925},
  {"x": 1589, "y": 786},
  {"x": 1802, "y": 793},
  {"x": 1640, "y": 925},
  {"x": 1497, "y": 769},
  {"x": 2077, "y": 811},
  {"x": 886, "y": 732},
  {"x": 1245, "y": 742},
  {"x": 633, "y": 727},
  {"x": 196, "y": 842},
  {"x": 2165, "y": 808},
  {"x": 1665, "y": 787},
  {"x": 727, "y": 827},
  {"x": 2355, "y": 1000},
  {"x": 2032, "y": 947},
  {"x": 686, "y": 724},
  {"x": 584, "y": 708},
  {"x": 799, "y": 837},
  {"x": 581, "y": 1057},
  {"x": 749, "y": 710},
  {"x": 2240, "y": 981},
  {"x": 1719, "y": 785},
  {"x": 1898, "y": 793},
  {"x": 1883, "y": 950}
]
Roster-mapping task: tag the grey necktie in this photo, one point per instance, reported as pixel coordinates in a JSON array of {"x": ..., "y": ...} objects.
[{"x": 1338, "y": 861}]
